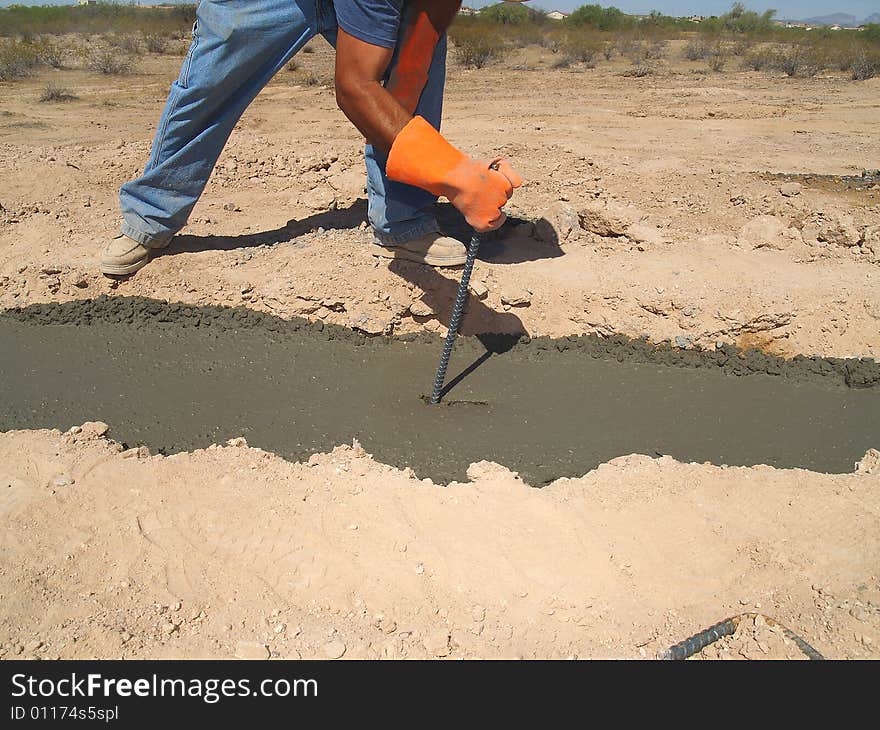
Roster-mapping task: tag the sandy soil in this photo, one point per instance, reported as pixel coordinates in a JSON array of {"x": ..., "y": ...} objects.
[
  {"x": 697, "y": 243},
  {"x": 231, "y": 551},
  {"x": 659, "y": 220}
]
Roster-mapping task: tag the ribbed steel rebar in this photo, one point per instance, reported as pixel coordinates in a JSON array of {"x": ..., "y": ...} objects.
[
  {"x": 455, "y": 319},
  {"x": 701, "y": 640}
]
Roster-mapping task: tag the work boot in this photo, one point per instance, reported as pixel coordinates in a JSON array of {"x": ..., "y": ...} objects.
[
  {"x": 433, "y": 249},
  {"x": 124, "y": 255}
]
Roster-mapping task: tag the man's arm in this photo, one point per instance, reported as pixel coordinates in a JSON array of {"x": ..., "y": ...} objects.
[
  {"x": 417, "y": 153},
  {"x": 360, "y": 68}
]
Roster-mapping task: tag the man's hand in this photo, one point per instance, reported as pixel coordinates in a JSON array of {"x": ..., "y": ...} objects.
[{"x": 478, "y": 189}]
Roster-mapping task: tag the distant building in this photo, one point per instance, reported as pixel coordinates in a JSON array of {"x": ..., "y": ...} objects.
[
  {"x": 86, "y": 2},
  {"x": 557, "y": 15},
  {"x": 696, "y": 19},
  {"x": 464, "y": 10}
]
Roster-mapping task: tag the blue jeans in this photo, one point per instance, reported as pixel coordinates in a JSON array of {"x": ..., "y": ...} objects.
[{"x": 237, "y": 47}]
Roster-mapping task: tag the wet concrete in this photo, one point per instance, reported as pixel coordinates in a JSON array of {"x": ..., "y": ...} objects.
[
  {"x": 176, "y": 377},
  {"x": 864, "y": 188}
]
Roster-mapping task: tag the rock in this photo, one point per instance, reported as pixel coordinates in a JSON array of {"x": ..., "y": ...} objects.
[
  {"x": 319, "y": 198},
  {"x": 63, "y": 480},
  {"x": 420, "y": 309},
  {"x": 334, "y": 649},
  {"x": 765, "y": 231},
  {"x": 240, "y": 442},
  {"x": 558, "y": 223},
  {"x": 839, "y": 230},
  {"x": 869, "y": 463},
  {"x": 32, "y": 646},
  {"x": 790, "y": 189},
  {"x": 608, "y": 219},
  {"x": 436, "y": 643},
  {"x": 93, "y": 430},
  {"x": 251, "y": 650},
  {"x": 479, "y": 289},
  {"x": 641, "y": 233},
  {"x": 231, "y": 207},
  {"x": 871, "y": 240},
  {"x": 349, "y": 184},
  {"x": 684, "y": 341},
  {"x": 387, "y": 625},
  {"x": 516, "y": 297}
]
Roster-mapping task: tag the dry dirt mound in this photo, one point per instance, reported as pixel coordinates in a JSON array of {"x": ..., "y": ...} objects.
[{"x": 231, "y": 551}]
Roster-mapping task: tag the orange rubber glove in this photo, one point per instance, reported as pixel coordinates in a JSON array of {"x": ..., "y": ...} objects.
[{"x": 420, "y": 156}]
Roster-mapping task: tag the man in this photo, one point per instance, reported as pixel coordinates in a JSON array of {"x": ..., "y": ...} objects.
[{"x": 390, "y": 74}]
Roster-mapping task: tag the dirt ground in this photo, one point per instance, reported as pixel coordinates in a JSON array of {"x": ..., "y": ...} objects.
[{"x": 677, "y": 206}]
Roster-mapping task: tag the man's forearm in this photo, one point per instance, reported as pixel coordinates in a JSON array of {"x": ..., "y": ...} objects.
[{"x": 374, "y": 111}]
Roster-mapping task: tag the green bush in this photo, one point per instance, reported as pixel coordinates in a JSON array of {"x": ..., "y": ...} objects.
[{"x": 600, "y": 18}]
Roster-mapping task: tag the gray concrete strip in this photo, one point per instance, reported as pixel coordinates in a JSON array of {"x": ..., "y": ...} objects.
[{"x": 177, "y": 377}]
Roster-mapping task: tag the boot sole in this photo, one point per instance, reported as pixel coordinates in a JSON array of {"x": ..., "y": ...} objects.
[
  {"x": 420, "y": 258},
  {"x": 124, "y": 269}
]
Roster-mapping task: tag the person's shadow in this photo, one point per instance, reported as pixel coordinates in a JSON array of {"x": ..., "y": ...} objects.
[{"x": 514, "y": 243}]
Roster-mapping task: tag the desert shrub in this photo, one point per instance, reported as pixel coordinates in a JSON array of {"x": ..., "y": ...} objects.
[
  {"x": 476, "y": 50},
  {"x": 52, "y": 53},
  {"x": 608, "y": 50},
  {"x": 17, "y": 58},
  {"x": 156, "y": 43},
  {"x": 582, "y": 48},
  {"x": 126, "y": 43},
  {"x": 639, "y": 70},
  {"x": 552, "y": 42},
  {"x": 759, "y": 60},
  {"x": 717, "y": 62},
  {"x": 561, "y": 62},
  {"x": 696, "y": 50},
  {"x": 57, "y": 93},
  {"x": 626, "y": 44},
  {"x": 741, "y": 47},
  {"x": 799, "y": 61},
  {"x": 871, "y": 33},
  {"x": 655, "y": 50},
  {"x": 101, "y": 18},
  {"x": 109, "y": 61},
  {"x": 293, "y": 65},
  {"x": 865, "y": 66}
]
